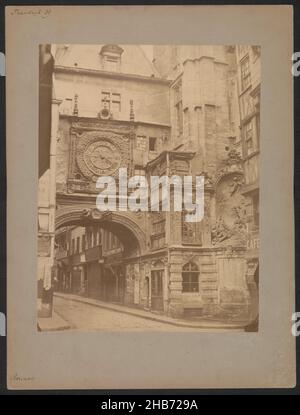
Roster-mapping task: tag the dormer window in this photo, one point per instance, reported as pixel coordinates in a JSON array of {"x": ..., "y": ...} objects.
[
  {"x": 110, "y": 56},
  {"x": 111, "y": 63}
]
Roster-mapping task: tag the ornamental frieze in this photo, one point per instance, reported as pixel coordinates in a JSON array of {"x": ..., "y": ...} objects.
[{"x": 101, "y": 126}]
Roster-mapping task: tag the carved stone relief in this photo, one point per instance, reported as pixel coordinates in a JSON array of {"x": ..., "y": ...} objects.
[
  {"x": 230, "y": 225},
  {"x": 97, "y": 149}
]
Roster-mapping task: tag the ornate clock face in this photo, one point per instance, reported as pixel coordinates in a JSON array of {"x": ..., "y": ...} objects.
[{"x": 102, "y": 157}]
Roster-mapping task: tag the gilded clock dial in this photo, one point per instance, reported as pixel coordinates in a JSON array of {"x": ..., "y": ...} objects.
[{"x": 102, "y": 157}]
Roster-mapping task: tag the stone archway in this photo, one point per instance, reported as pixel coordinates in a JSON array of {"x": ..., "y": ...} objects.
[
  {"x": 119, "y": 223},
  {"x": 97, "y": 263}
]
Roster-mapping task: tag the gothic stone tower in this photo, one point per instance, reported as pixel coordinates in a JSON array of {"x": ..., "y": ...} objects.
[{"x": 204, "y": 115}]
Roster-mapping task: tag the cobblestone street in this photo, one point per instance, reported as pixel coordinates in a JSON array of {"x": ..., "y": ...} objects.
[{"x": 86, "y": 317}]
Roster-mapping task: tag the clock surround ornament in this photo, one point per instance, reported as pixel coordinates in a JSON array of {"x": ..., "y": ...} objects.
[
  {"x": 101, "y": 154},
  {"x": 102, "y": 157}
]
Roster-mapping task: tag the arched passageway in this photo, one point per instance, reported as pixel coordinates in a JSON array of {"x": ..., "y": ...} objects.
[
  {"x": 91, "y": 252},
  {"x": 118, "y": 223}
]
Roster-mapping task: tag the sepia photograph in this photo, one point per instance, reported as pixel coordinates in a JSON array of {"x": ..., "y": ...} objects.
[
  {"x": 150, "y": 215},
  {"x": 148, "y": 190}
]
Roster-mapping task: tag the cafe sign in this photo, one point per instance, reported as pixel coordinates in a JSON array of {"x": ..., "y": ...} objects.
[{"x": 253, "y": 242}]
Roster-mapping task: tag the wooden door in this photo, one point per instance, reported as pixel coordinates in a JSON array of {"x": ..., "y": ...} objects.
[{"x": 157, "y": 290}]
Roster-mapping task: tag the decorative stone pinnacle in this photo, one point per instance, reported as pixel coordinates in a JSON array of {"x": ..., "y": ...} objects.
[
  {"x": 131, "y": 111},
  {"x": 75, "y": 110}
]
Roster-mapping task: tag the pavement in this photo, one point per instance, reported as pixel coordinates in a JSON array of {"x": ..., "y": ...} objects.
[
  {"x": 56, "y": 322},
  {"x": 139, "y": 317}
]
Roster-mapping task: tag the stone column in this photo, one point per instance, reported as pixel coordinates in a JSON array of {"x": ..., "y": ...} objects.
[
  {"x": 175, "y": 284},
  {"x": 253, "y": 289},
  {"x": 46, "y": 218},
  {"x": 174, "y": 225},
  {"x": 52, "y": 198},
  {"x": 208, "y": 217},
  {"x": 82, "y": 280}
]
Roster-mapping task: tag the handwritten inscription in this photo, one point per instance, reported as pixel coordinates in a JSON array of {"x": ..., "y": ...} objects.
[
  {"x": 18, "y": 378},
  {"x": 43, "y": 13}
]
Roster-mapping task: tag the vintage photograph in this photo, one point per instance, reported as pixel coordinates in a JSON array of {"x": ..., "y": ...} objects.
[{"x": 148, "y": 192}]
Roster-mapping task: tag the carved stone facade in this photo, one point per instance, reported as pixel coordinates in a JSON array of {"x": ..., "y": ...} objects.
[{"x": 167, "y": 264}]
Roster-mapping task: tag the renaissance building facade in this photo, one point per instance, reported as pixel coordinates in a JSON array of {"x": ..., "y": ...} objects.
[{"x": 193, "y": 110}]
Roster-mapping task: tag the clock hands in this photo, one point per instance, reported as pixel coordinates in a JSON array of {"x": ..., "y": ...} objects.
[
  {"x": 103, "y": 157},
  {"x": 95, "y": 157}
]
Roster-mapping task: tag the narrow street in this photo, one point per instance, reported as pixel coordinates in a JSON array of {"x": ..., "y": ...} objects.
[{"x": 87, "y": 317}]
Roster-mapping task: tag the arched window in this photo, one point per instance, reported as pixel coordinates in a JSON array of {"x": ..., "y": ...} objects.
[{"x": 190, "y": 278}]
